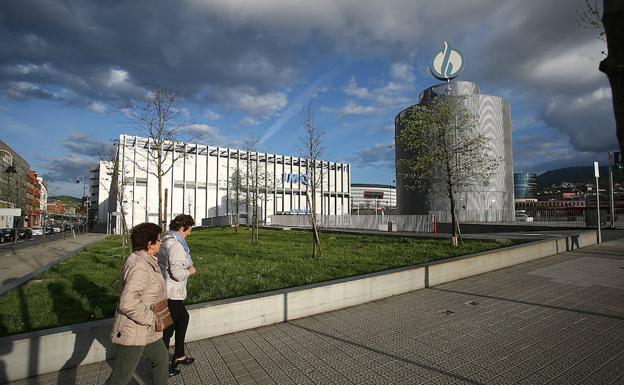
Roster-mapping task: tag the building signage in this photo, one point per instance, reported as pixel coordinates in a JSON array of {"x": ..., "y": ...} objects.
[
  {"x": 373, "y": 194},
  {"x": 447, "y": 64},
  {"x": 295, "y": 178}
]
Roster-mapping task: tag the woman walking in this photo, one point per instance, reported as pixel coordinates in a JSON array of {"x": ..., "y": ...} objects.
[
  {"x": 137, "y": 330},
  {"x": 177, "y": 265}
]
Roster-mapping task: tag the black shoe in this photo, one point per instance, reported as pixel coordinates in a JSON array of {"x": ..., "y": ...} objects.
[
  {"x": 173, "y": 371},
  {"x": 185, "y": 361}
]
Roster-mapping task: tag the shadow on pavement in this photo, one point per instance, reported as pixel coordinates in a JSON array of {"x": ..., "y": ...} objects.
[
  {"x": 432, "y": 368},
  {"x": 528, "y": 303}
]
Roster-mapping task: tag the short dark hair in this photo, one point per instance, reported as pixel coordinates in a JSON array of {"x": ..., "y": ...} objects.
[
  {"x": 144, "y": 233},
  {"x": 182, "y": 220}
]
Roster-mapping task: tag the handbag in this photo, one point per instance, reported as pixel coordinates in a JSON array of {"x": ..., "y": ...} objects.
[{"x": 163, "y": 316}]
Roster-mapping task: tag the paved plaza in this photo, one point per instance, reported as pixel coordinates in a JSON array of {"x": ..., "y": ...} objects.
[{"x": 557, "y": 320}]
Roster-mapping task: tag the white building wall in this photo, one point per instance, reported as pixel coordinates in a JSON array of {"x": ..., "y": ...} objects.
[
  {"x": 358, "y": 200},
  {"x": 43, "y": 200},
  {"x": 198, "y": 183}
]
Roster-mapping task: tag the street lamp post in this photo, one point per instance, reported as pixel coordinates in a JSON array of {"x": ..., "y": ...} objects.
[
  {"x": 597, "y": 175},
  {"x": 85, "y": 198}
]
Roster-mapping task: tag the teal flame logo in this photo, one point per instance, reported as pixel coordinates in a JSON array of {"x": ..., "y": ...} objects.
[{"x": 447, "y": 64}]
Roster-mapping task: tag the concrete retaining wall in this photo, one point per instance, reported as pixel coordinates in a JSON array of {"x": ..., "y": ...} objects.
[{"x": 36, "y": 353}]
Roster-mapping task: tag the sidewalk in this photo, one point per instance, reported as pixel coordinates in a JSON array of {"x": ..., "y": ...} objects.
[
  {"x": 556, "y": 320},
  {"x": 27, "y": 262}
]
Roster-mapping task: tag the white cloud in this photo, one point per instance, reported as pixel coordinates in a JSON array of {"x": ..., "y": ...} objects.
[
  {"x": 402, "y": 72},
  {"x": 117, "y": 77},
  {"x": 206, "y": 134},
  {"x": 211, "y": 115},
  {"x": 352, "y": 89},
  {"x": 258, "y": 105},
  {"x": 248, "y": 121},
  {"x": 98, "y": 107},
  {"x": 355, "y": 109},
  {"x": 560, "y": 69}
]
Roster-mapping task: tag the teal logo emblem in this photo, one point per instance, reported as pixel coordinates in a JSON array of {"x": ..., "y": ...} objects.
[{"x": 447, "y": 64}]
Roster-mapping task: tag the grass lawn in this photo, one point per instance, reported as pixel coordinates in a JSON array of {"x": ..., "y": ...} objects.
[{"x": 85, "y": 286}]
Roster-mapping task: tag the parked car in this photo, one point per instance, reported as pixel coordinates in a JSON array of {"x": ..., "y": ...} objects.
[
  {"x": 24, "y": 233},
  {"x": 7, "y": 235},
  {"x": 37, "y": 231},
  {"x": 56, "y": 228},
  {"x": 523, "y": 217}
]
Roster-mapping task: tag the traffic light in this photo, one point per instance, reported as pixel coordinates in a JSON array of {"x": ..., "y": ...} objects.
[{"x": 618, "y": 162}]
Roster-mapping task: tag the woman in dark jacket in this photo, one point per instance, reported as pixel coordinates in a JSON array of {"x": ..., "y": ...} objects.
[{"x": 177, "y": 265}]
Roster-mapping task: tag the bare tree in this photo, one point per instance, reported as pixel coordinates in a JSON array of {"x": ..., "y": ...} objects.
[
  {"x": 312, "y": 149},
  {"x": 255, "y": 182},
  {"x": 443, "y": 152},
  {"x": 160, "y": 120},
  {"x": 236, "y": 195},
  {"x": 589, "y": 17},
  {"x": 117, "y": 193}
]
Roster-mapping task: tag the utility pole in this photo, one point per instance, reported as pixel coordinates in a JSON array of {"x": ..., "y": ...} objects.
[
  {"x": 611, "y": 201},
  {"x": 597, "y": 175}
]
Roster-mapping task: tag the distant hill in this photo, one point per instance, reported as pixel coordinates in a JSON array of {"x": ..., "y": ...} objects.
[
  {"x": 71, "y": 201},
  {"x": 577, "y": 175}
]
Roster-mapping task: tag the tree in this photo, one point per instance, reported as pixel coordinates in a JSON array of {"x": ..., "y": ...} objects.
[
  {"x": 613, "y": 64},
  {"x": 160, "y": 121},
  {"x": 312, "y": 150},
  {"x": 235, "y": 195},
  {"x": 254, "y": 182},
  {"x": 611, "y": 29},
  {"x": 116, "y": 193},
  {"x": 443, "y": 152}
]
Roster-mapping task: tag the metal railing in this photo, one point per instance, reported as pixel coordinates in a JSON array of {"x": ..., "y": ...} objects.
[
  {"x": 224, "y": 220},
  {"x": 412, "y": 223}
]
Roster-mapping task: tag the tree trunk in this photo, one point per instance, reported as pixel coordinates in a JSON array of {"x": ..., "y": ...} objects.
[
  {"x": 316, "y": 241},
  {"x": 613, "y": 64},
  {"x": 161, "y": 218},
  {"x": 456, "y": 237}
]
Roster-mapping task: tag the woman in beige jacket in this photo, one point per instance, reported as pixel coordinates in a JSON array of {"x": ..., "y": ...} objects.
[{"x": 136, "y": 330}]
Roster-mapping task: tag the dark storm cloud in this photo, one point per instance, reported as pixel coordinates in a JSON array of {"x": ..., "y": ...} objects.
[
  {"x": 379, "y": 155},
  {"x": 537, "y": 49},
  {"x": 114, "y": 50},
  {"x": 67, "y": 168},
  {"x": 245, "y": 55},
  {"x": 81, "y": 144}
]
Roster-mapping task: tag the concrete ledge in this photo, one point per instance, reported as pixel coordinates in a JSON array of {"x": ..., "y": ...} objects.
[{"x": 51, "y": 350}]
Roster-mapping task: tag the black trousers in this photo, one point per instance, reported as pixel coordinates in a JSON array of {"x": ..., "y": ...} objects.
[{"x": 180, "y": 322}]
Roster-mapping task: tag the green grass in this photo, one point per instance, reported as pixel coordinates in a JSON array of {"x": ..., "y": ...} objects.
[{"x": 85, "y": 286}]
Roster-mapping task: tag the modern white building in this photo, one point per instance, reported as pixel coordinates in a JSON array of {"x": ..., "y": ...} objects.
[
  {"x": 492, "y": 202},
  {"x": 199, "y": 180},
  {"x": 43, "y": 201},
  {"x": 101, "y": 182},
  {"x": 369, "y": 196}
]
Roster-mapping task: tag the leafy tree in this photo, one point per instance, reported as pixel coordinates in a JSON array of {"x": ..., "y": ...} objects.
[{"x": 444, "y": 154}]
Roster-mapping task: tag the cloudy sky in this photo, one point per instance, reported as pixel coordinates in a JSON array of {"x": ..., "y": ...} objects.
[{"x": 67, "y": 67}]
